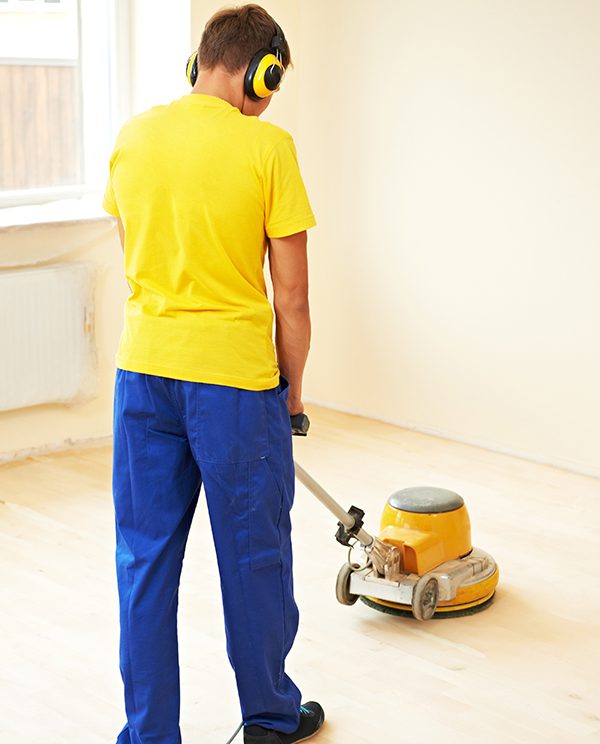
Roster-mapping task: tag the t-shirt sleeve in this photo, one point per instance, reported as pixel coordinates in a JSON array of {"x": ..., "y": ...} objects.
[
  {"x": 287, "y": 209},
  {"x": 109, "y": 203}
]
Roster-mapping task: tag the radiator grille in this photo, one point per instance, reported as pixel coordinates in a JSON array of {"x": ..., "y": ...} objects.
[{"x": 46, "y": 336}]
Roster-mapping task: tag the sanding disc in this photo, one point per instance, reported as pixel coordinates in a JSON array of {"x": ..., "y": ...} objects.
[{"x": 405, "y": 611}]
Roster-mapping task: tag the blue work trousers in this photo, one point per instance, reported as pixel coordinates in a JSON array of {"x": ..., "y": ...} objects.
[{"x": 170, "y": 436}]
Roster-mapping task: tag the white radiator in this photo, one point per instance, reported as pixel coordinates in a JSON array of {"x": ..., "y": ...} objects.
[{"x": 46, "y": 335}]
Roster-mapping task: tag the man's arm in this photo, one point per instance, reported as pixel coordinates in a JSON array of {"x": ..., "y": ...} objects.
[
  {"x": 121, "y": 233},
  {"x": 122, "y": 240},
  {"x": 289, "y": 273}
]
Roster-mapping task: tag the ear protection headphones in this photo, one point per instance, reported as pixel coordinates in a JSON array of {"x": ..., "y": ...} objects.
[{"x": 264, "y": 74}]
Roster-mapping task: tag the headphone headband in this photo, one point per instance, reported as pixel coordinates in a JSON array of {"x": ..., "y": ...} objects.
[{"x": 278, "y": 39}]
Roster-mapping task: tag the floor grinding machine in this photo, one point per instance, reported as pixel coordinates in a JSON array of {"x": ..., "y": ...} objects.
[{"x": 422, "y": 563}]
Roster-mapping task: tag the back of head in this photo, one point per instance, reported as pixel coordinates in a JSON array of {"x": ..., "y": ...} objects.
[{"x": 234, "y": 35}]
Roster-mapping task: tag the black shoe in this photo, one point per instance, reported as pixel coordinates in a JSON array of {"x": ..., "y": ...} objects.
[{"x": 311, "y": 720}]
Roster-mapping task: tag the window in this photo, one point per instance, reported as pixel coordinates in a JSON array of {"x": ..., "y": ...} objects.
[{"x": 57, "y": 116}]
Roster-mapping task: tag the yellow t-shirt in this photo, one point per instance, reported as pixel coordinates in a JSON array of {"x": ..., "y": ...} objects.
[{"x": 200, "y": 187}]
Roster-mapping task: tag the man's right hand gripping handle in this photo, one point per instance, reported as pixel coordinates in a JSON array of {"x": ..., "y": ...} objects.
[{"x": 300, "y": 424}]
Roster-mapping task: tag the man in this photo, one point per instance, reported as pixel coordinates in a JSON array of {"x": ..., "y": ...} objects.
[{"x": 201, "y": 189}]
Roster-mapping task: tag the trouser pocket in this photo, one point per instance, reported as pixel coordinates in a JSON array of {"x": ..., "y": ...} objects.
[
  {"x": 266, "y": 515},
  {"x": 284, "y": 387}
]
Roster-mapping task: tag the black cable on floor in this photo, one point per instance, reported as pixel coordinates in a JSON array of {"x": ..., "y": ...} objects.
[{"x": 237, "y": 731}]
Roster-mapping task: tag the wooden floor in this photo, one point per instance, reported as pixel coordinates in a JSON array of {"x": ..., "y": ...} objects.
[{"x": 526, "y": 670}]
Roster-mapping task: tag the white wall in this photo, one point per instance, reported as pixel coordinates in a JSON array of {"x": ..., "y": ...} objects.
[
  {"x": 159, "y": 38},
  {"x": 452, "y": 155},
  {"x": 56, "y": 426}
]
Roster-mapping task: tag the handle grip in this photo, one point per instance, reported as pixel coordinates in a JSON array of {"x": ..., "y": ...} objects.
[{"x": 300, "y": 424}]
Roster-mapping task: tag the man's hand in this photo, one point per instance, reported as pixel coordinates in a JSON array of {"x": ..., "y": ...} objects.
[{"x": 295, "y": 406}]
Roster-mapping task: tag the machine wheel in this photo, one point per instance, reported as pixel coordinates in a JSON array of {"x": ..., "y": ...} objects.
[
  {"x": 342, "y": 586},
  {"x": 425, "y": 598}
]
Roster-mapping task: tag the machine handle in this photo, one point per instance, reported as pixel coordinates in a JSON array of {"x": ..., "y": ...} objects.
[
  {"x": 300, "y": 424},
  {"x": 350, "y": 522},
  {"x": 347, "y": 520}
]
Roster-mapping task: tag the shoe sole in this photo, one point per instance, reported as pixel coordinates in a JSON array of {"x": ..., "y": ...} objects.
[{"x": 306, "y": 738}]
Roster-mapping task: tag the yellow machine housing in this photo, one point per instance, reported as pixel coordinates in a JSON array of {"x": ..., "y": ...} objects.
[
  {"x": 431, "y": 528},
  {"x": 427, "y": 540}
]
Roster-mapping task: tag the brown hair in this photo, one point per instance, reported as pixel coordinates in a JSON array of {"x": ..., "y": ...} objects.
[{"x": 234, "y": 35}]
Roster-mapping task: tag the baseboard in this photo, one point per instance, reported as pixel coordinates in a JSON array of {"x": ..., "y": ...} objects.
[{"x": 54, "y": 448}]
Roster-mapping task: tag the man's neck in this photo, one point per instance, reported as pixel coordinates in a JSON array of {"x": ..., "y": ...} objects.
[{"x": 221, "y": 84}]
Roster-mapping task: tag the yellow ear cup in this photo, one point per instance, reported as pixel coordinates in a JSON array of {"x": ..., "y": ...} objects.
[
  {"x": 191, "y": 69},
  {"x": 268, "y": 68}
]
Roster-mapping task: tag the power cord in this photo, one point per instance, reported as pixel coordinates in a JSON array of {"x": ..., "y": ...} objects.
[{"x": 237, "y": 731}]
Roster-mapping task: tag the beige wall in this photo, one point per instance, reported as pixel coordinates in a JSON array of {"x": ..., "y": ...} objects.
[{"x": 452, "y": 155}]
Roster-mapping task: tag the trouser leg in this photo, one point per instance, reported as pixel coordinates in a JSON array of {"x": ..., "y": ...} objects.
[
  {"x": 245, "y": 456},
  {"x": 155, "y": 488}
]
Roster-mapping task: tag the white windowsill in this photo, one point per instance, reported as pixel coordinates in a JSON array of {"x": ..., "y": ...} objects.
[{"x": 62, "y": 212}]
